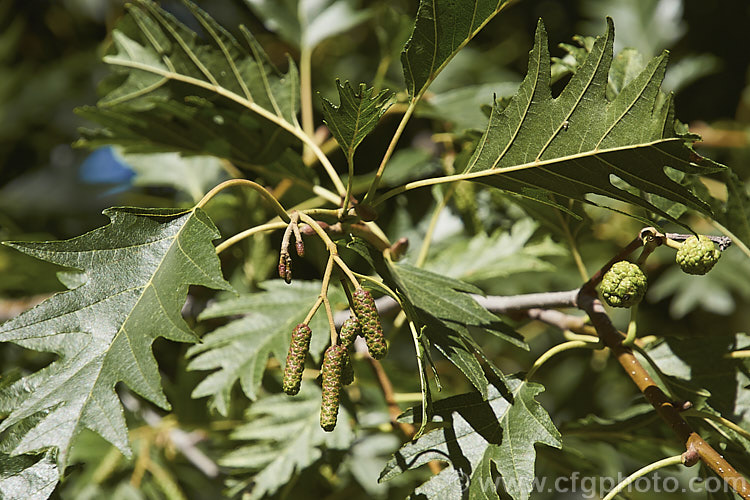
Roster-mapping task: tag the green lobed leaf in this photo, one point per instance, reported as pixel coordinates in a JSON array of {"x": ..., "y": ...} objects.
[
  {"x": 26, "y": 477},
  {"x": 174, "y": 91},
  {"x": 581, "y": 143},
  {"x": 138, "y": 269},
  {"x": 463, "y": 106},
  {"x": 442, "y": 28},
  {"x": 494, "y": 256},
  {"x": 193, "y": 176},
  {"x": 441, "y": 296},
  {"x": 473, "y": 431},
  {"x": 281, "y": 437},
  {"x": 239, "y": 351},
  {"x": 700, "y": 364},
  {"x": 356, "y": 115},
  {"x": 736, "y": 213},
  {"x": 443, "y": 309},
  {"x": 306, "y": 23}
]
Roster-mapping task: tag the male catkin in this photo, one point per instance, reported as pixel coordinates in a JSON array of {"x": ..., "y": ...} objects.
[
  {"x": 331, "y": 372},
  {"x": 295, "y": 359},
  {"x": 369, "y": 322}
]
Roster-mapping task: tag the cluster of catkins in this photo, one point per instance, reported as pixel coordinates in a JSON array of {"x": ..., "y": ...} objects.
[{"x": 337, "y": 369}]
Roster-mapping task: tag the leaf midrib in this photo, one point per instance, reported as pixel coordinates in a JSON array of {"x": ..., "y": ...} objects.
[{"x": 122, "y": 328}]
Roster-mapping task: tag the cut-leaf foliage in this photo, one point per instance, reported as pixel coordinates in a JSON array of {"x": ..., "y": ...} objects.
[
  {"x": 138, "y": 270},
  {"x": 356, "y": 115},
  {"x": 240, "y": 349},
  {"x": 700, "y": 364},
  {"x": 735, "y": 215},
  {"x": 442, "y": 28},
  {"x": 26, "y": 477},
  {"x": 192, "y": 176},
  {"x": 306, "y": 23},
  {"x": 475, "y": 433},
  {"x": 175, "y": 91},
  {"x": 444, "y": 310},
  {"x": 282, "y": 437},
  {"x": 581, "y": 143},
  {"x": 494, "y": 256}
]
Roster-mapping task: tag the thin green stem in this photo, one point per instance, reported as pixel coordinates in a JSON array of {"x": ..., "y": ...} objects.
[
  {"x": 717, "y": 418},
  {"x": 331, "y": 323},
  {"x": 499, "y": 171},
  {"x": 342, "y": 265},
  {"x": 380, "y": 72},
  {"x": 323, "y": 299},
  {"x": 305, "y": 89},
  {"x": 271, "y": 226},
  {"x": 667, "y": 462},
  {"x": 738, "y": 354},
  {"x": 740, "y": 244},
  {"x": 632, "y": 327},
  {"x": 349, "y": 181},
  {"x": 332, "y": 249},
  {"x": 313, "y": 310},
  {"x": 565, "y": 346},
  {"x": 317, "y": 189},
  {"x": 268, "y": 197},
  {"x": 379, "y": 284},
  {"x": 422, "y": 379},
  {"x": 330, "y": 245},
  {"x": 573, "y": 247},
  {"x": 425, "y": 248},
  {"x": 655, "y": 367},
  {"x": 390, "y": 150}
]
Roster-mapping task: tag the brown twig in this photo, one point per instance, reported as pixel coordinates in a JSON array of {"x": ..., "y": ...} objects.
[{"x": 666, "y": 409}]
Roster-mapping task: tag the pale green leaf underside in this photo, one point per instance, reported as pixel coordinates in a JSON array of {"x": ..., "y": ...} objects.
[
  {"x": 580, "y": 142},
  {"x": 356, "y": 115},
  {"x": 283, "y": 436},
  {"x": 442, "y": 28},
  {"x": 137, "y": 272},
  {"x": 201, "y": 95},
  {"x": 240, "y": 350},
  {"x": 473, "y": 432},
  {"x": 306, "y": 23},
  {"x": 26, "y": 477},
  {"x": 443, "y": 306},
  {"x": 167, "y": 51}
]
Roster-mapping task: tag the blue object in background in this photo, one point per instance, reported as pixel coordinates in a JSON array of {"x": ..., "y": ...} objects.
[{"x": 105, "y": 166}]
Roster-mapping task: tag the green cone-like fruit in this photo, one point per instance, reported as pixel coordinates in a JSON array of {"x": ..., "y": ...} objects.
[
  {"x": 697, "y": 255},
  {"x": 334, "y": 360},
  {"x": 369, "y": 322},
  {"x": 624, "y": 285},
  {"x": 295, "y": 359},
  {"x": 349, "y": 331}
]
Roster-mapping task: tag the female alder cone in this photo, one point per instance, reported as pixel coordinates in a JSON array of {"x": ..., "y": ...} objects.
[
  {"x": 295, "y": 359},
  {"x": 697, "y": 255},
  {"x": 624, "y": 285},
  {"x": 349, "y": 331},
  {"x": 334, "y": 360},
  {"x": 369, "y": 322}
]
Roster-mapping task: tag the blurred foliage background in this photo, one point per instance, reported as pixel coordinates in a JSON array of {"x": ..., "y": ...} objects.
[{"x": 50, "y": 54}]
